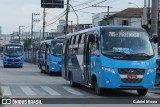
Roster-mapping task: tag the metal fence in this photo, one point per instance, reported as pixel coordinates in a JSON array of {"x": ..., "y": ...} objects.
[{"x": 31, "y": 55}]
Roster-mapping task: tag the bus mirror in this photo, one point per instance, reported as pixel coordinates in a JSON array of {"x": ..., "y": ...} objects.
[
  {"x": 47, "y": 46},
  {"x": 96, "y": 53},
  {"x": 158, "y": 62},
  {"x": 154, "y": 39}
]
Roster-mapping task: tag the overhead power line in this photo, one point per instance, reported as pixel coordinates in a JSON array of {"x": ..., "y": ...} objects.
[
  {"x": 56, "y": 20},
  {"x": 84, "y": 3},
  {"x": 91, "y": 5}
]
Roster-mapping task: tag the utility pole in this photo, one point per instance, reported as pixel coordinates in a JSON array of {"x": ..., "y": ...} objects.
[
  {"x": 44, "y": 23},
  {"x": 32, "y": 28},
  {"x": 149, "y": 11},
  {"x": 108, "y": 15},
  {"x": 32, "y": 31},
  {"x": 145, "y": 12},
  {"x": 67, "y": 11},
  {"x": 20, "y": 32},
  {"x": 154, "y": 24}
]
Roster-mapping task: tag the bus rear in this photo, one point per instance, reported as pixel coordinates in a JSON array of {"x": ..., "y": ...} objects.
[{"x": 13, "y": 55}]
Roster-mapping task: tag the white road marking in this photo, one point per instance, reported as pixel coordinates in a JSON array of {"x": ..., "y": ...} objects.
[
  {"x": 50, "y": 90},
  {"x": 27, "y": 90},
  {"x": 70, "y": 90},
  {"x": 6, "y": 91}
]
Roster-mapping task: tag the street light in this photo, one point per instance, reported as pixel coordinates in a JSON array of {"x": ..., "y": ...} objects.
[{"x": 133, "y": 4}]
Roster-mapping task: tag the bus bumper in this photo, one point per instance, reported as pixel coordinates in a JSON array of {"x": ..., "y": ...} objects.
[
  {"x": 111, "y": 80},
  {"x": 55, "y": 67}
]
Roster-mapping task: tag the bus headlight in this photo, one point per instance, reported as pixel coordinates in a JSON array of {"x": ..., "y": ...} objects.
[
  {"x": 151, "y": 70},
  {"x": 22, "y": 58},
  {"x": 53, "y": 62},
  {"x": 109, "y": 69}
]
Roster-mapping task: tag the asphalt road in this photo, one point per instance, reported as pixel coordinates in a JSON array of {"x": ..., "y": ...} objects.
[{"x": 28, "y": 82}]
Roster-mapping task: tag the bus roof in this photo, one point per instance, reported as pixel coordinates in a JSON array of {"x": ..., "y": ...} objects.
[
  {"x": 10, "y": 44},
  {"x": 107, "y": 27},
  {"x": 49, "y": 41}
]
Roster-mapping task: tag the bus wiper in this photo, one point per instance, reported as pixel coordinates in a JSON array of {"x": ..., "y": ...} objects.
[
  {"x": 141, "y": 54},
  {"x": 122, "y": 53}
]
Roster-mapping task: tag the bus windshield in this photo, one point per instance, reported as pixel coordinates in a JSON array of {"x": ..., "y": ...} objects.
[
  {"x": 14, "y": 50},
  {"x": 56, "y": 47},
  {"x": 126, "y": 42}
]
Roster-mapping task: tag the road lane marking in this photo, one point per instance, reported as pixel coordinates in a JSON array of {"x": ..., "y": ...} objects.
[
  {"x": 70, "y": 90},
  {"x": 27, "y": 90},
  {"x": 50, "y": 90},
  {"x": 6, "y": 91}
]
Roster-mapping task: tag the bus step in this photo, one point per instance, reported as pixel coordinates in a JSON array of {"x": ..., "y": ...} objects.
[{"x": 88, "y": 85}]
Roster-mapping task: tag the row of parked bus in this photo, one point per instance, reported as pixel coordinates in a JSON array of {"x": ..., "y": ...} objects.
[{"x": 113, "y": 57}]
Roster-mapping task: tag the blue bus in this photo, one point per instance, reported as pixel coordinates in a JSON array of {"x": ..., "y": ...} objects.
[
  {"x": 13, "y": 55},
  {"x": 50, "y": 53},
  {"x": 110, "y": 57}
]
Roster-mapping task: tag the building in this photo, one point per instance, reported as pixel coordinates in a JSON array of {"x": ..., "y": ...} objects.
[
  {"x": 97, "y": 18},
  {"x": 129, "y": 17},
  {"x": 6, "y": 38},
  {"x": 74, "y": 28},
  {"x": 60, "y": 27},
  {"x": 0, "y": 30}
]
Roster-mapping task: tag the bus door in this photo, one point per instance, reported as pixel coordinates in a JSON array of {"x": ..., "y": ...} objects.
[
  {"x": 46, "y": 56},
  {"x": 42, "y": 56},
  {"x": 89, "y": 56},
  {"x": 66, "y": 46}
]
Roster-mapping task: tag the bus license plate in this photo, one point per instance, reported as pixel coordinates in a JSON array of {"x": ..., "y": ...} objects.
[{"x": 132, "y": 76}]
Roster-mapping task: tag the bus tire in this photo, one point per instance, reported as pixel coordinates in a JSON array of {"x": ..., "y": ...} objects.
[
  {"x": 42, "y": 71},
  {"x": 51, "y": 73},
  {"x": 99, "y": 91},
  {"x": 21, "y": 66},
  {"x": 5, "y": 66},
  {"x": 73, "y": 84},
  {"x": 142, "y": 92}
]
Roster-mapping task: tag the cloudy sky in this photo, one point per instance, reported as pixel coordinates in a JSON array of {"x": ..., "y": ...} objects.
[{"x": 15, "y": 13}]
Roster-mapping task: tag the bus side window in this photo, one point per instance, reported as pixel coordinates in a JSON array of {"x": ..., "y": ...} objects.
[
  {"x": 93, "y": 44},
  {"x": 79, "y": 39}
]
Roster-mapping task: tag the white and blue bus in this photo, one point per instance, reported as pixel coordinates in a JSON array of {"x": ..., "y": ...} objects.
[
  {"x": 110, "y": 57},
  {"x": 13, "y": 55},
  {"x": 50, "y": 53}
]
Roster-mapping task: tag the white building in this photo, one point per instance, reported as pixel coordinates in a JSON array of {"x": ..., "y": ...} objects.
[
  {"x": 0, "y": 30},
  {"x": 99, "y": 17},
  {"x": 129, "y": 17},
  {"x": 60, "y": 27}
]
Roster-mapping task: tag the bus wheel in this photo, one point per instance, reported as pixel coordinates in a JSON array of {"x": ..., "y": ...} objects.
[
  {"x": 99, "y": 91},
  {"x": 73, "y": 84},
  {"x": 42, "y": 71},
  {"x": 142, "y": 92},
  {"x": 51, "y": 73},
  {"x": 5, "y": 66}
]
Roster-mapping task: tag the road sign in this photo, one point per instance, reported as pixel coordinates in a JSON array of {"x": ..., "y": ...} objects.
[{"x": 52, "y": 3}]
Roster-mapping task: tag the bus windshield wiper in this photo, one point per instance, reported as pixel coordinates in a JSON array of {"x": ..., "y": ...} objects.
[
  {"x": 141, "y": 54},
  {"x": 121, "y": 53}
]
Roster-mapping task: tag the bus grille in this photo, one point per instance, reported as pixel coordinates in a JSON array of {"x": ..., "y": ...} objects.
[
  {"x": 127, "y": 71},
  {"x": 126, "y": 80},
  {"x": 13, "y": 60}
]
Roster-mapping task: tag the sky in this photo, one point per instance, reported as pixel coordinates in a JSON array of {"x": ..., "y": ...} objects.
[{"x": 15, "y": 13}]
